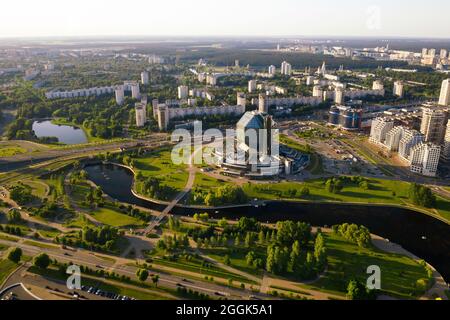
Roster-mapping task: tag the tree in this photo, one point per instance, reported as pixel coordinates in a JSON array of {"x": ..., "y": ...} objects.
[
  {"x": 357, "y": 291},
  {"x": 227, "y": 260},
  {"x": 422, "y": 196},
  {"x": 320, "y": 252},
  {"x": 155, "y": 280},
  {"x": 42, "y": 261},
  {"x": 14, "y": 216},
  {"x": 142, "y": 275},
  {"x": 223, "y": 223},
  {"x": 250, "y": 258},
  {"x": 15, "y": 254}
]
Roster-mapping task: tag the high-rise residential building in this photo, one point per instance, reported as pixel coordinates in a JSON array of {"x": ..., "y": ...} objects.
[
  {"x": 144, "y": 78},
  {"x": 135, "y": 91},
  {"x": 263, "y": 103},
  {"x": 443, "y": 54},
  {"x": 141, "y": 114},
  {"x": 409, "y": 140},
  {"x": 345, "y": 117},
  {"x": 398, "y": 89},
  {"x": 434, "y": 121},
  {"x": 424, "y": 52},
  {"x": 318, "y": 92},
  {"x": 432, "y": 52},
  {"x": 380, "y": 127},
  {"x": 444, "y": 98},
  {"x": 393, "y": 138},
  {"x": 155, "y": 103},
  {"x": 183, "y": 92},
  {"x": 446, "y": 150},
  {"x": 120, "y": 95},
  {"x": 163, "y": 117},
  {"x": 310, "y": 80},
  {"x": 236, "y": 63},
  {"x": 272, "y": 70},
  {"x": 241, "y": 99},
  {"x": 286, "y": 68},
  {"x": 339, "y": 94},
  {"x": 424, "y": 159},
  {"x": 252, "y": 86},
  {"x": 377, "y": 85}
]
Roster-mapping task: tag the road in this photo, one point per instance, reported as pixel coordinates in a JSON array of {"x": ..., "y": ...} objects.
[{"x": 126, "y": 267}]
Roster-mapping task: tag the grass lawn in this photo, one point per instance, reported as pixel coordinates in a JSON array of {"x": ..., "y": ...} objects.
[
  {"x": 40, "y": 244},
  {"x": 7, "y": 237},
  {"x": 38, "y": 189},
  {"x": 203, "y": 181},
  {"x": 381, "y": 191},
  {"x": 399, "y": 274},
  {"x": 237, "y": 258},
  {"x": 79, "y": 222},
  {"x": 6, "y": 267},
  {"x": 10, "y": 151},
  {"x": 158, "y": 164},
  {"x": 114, "y": 218},
  {"x": 443, "y": 207}
]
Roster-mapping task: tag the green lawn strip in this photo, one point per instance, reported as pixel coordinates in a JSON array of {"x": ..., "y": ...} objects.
[
  {"x": 100, "y": 284},
  {"x": 399, "y": 274},
  {"x": 443, "y": 207},
  {"x": 6, "y": 268},
  {"x": 114, "y": 218},
  {"x": 212, "y": 271},
  {"x": 158, "y": 164},
  {"x": 238, "y": 258},
  {"x": 79, "y": 222},
  {"x": 7, "y": 237},
  {"x": 291, "y": 290},
  {"x": 10, "y": 151},
  {"x": 40, "y": 244},
  {"x": 381, "y": 191}
]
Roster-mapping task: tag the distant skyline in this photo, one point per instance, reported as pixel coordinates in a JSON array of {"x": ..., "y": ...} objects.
[{"x": 378, "y": 18}]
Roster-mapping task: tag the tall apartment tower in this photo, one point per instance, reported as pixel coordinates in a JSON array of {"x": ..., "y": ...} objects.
[
  {"x": 155, "y": 103},
  {"x": 433, "y": 125},
  {"x": 379, "y": 130},
  {"x": 286, "y": 68},
  {"x": 241, "y": 99},
  {"x": 252, "y": 86},
  {"x": 163, "y": 117},
  {"x": 135, "y": 91},
  {"x": 263, "y": 103},
  {"x": 318, "y": 92},
  {"x": 393, "y": 138},
  {"x": 339, "y": 94},
  {"x": 443, "y": 54},
  {"x": 120, "y": 95},
  {"x": 144, "y": 78},
  {"x": 444, "y": 98},
  {"x": 446, "y": 149},
  {"x": 409, "y": 140},
  {"x": 398, "y": 89},
  {"x": 425, "y": 159},
  {"x": 183, "y": 92},
  {"x": 272, "y": 70},
  {"x": 141, "y": 114}
]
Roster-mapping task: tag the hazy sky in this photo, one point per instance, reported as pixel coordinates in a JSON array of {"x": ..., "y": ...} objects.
[{"x": 25, "y": 18}]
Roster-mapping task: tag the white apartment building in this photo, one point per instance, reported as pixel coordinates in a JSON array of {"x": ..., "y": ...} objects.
[
  {"x": 317, "y": 92},
  {"x": 339, "y": 95},
  {"x": 163, "y": 117},
  {"x": 135, "y": 91},
  {"x": 120, "y": 95},
  {"x": 444, "y": 98},
  {"x": 393, "y": 138},
  {"x": 310, "y": 80},
  {"x": 141, "y": 114},
  {"x": 380, "y": 127},
  {"x": 409, "y": 140},
  {"x": 241, "y": 99},
  {"x": 443, "y": 54},
  {"x": 434, "y": 121},
  {"x": 183, "y": 92},
  {"x": 252, "y": 86},
  {"x": 377, "y": 85},
  {"x": 289, "y": 102},
  {"x": 155, "y": 103},
  {"x": 424, "y": 159},
  {"x": 144, "y": 78},
  {"x": 272, "y": 70},
  {"x": 286, "y": 68},
  {"x": 446, "y": 150},
  {"x": 263, "y": 103},
  {"x": 398, "y": 89}
]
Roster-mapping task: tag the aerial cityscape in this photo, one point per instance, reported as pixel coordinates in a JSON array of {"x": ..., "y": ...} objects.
[{"x": 154, "y": 165}]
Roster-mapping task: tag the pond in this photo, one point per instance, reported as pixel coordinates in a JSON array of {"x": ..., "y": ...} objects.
[
  {"x": 65, "y": 134},
  {"x": 420, "y": 234}
]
